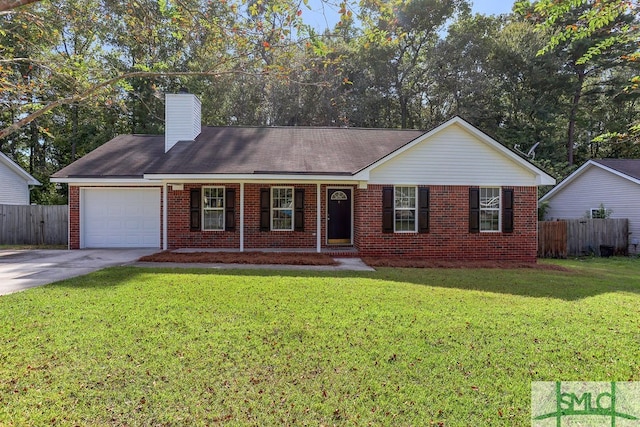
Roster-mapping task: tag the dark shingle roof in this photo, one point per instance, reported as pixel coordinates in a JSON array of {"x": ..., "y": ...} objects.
[
  {"x": 243, "y": 150},
  {"x": 125, "y": 156},
  {"x": 629, "y": 167}
]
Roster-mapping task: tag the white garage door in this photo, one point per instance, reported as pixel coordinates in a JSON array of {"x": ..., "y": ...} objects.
[{"x": 120, "y": 218}]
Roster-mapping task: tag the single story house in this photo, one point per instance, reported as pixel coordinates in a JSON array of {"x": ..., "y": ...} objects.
[
  {"x": 14, "y": 183},
  {"x": 611, "y": 185},
  {"x": 449, "y": 193}
]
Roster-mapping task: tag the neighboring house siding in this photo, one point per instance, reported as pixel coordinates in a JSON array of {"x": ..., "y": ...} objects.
[
  {"x": 448, "y": 237},
  {"x": 593, "y": 187},
  {"x": 13, "y": 189},
  {"x": 452, "y": 157}
]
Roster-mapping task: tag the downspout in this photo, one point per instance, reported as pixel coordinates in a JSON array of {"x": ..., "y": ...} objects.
[
  {"x": 318, "y": 219},
  {"x": 164, "y": 216},
  {"x": 242, "y": 217}
]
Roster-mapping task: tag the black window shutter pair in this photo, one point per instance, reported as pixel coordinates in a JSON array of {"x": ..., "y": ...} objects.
[
  {"x": 265, "y": 209},
  {"x": 387, "y": 210},
  {"x": 474, "y": 210},
  {"x": 229, "y": 209}
]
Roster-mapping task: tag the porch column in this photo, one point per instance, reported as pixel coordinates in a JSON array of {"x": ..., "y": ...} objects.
[
  {"x": 164, "y": 216},
  {"x": 242, "y": 217},
  {"x": 318, "y": 219}
]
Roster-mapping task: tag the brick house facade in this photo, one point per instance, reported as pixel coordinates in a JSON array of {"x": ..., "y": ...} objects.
[{"x": 450, "y": 193}]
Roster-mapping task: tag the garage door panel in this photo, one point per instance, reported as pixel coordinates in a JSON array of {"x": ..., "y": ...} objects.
[{"x": 113, "y": 218}]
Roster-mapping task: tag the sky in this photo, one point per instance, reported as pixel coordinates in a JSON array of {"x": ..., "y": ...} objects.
[{"x": 330, "y": 16}]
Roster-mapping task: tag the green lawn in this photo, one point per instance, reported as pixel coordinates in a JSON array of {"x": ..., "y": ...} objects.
[{"x": 134, "y": 346}]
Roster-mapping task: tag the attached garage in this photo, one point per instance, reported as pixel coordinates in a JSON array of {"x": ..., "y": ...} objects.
[{"x": 120, "y": 218}]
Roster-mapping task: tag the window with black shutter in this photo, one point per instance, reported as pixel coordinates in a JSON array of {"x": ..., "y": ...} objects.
[
  {"x": 230, "y": 210},
  {"x": 507, "y": 210},
  {"x": 474, "y": 210},
  {"x": 423, "y": 210},
  {"x": 194, "y": 210},
  {"x": 299, "y": 209},
  {"x": 265, "y": 197},
  {"x": 387, "y": 210}
]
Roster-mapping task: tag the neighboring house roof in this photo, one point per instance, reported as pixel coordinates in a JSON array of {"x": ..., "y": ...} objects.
[
  {"x": 263, "y": 151},
  {"x": 626, "y": 168},
  {"x": 11, "y": 165}
]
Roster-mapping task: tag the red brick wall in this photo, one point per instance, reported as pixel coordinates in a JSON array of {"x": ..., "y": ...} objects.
[
  {"x": 256, "y": 239},
  {"x": 179, "y": 233},
  {"x": 449, "y": 236},
  {"x": 74, "y": 217}
]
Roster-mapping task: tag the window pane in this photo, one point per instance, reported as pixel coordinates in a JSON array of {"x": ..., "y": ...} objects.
[
  {"x": 282, "y": 219},
  {"x": 405, "y": 197},
  {"x": 213, "y": 220},
  {"x": 405, "y": 220},
  {"x": 489, "y": 220},
  {"x": 282, "y": 197},
  {"x": 213, "y": 198},
  {"x": 489, "y": 198}
]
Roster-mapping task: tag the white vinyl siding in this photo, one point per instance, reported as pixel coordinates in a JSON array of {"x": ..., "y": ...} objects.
[
  {"x": 595, "y": 186},
  {"x": 182, "y": 118},
  {"x": 452, "y": 156},
  {"x": 405, "y": 209},
  {"x": 13, "y": 188},
  {"x": 213, "y": 208},
  {"x": 282, "y": 208},
  {"x": 120, "y": 218}
]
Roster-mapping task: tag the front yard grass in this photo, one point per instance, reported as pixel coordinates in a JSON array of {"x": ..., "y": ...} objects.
[{"x": 454, "y": 347}]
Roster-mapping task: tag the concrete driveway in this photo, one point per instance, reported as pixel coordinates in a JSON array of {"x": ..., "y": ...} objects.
[{"x": 23, "y": 269}]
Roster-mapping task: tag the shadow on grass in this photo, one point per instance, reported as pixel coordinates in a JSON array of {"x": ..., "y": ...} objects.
[{"x": 577, "y": 283}]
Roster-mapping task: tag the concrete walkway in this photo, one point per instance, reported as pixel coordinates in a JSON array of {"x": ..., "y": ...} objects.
[
  {"x": 345, "y": 264},
  {"x": 24, "y": 269}
]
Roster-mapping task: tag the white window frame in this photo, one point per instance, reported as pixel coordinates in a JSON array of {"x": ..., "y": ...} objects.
[
  {"x": 414, "y": 209},
  {"x": 497, "y": 209},
  {"x": 220, "y": 209},
  {"x": 273, "y": 209}
]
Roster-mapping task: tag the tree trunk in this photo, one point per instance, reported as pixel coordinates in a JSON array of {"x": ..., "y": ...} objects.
[
  {"x": 74, "y": 131},
  {"x": 573, "y": 114}
]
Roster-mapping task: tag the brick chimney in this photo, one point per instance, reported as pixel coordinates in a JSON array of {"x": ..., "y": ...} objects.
[{"x": 182, "y": 118}]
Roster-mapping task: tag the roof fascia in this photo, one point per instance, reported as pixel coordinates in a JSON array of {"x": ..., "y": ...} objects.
[
  {"x": 568, "y": 180},
  {"x": 582, "y": 169},
  {"x": 617, "y": 172},
  {"x": 18, "y": 170},
  {"x": 542, "y": 178},
  {"x": 251, "y": 177},
  {"x": 104, "y": 181}
]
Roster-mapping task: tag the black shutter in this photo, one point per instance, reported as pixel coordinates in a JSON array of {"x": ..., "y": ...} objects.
[
  {"x": 507, "y": 210},
  {"x": 423, "y": 210},
  {"x": 194, "y": 209},
  {"x": 265, "y": 217},
  {"x": 474, "y": 210},
  {"x": 230, "y": 209},
  {"x": 298, "y": 204},
  {"x": 387, "y": 209}
]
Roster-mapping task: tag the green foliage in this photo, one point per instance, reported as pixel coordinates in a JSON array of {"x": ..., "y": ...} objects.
[{"x": 396, "y": 347}]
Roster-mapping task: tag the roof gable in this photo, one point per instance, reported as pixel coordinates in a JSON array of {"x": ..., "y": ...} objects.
[
  {"x": 462, "y": 147},
  {"x": 12, "y": 166},
  {"x": 624, "y": 168}
]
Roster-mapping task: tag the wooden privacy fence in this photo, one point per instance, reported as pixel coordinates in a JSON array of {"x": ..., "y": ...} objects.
[
  {"x": 578, "y": 237},
  {"x": 33, "y": 225}
]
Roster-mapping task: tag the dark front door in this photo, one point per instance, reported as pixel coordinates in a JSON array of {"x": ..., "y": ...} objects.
[{"x": 339, "y": 216}]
